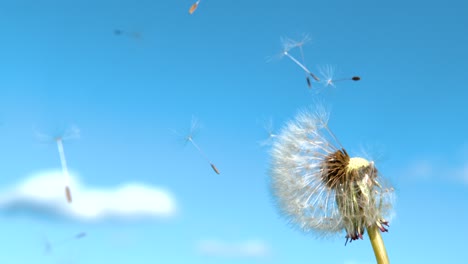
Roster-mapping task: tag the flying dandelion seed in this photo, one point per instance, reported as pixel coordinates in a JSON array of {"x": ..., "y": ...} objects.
[
  {"x": 80, "y": 235},
  {"x": 194, "y": 7},
  {"x": 71, "y": 133},
  {"x": 268, "y": 127},
  {"x": 63, "y": 161},
  {"x": 189, "y": 138},
  {"x": 328, "y": 74},
  {"x": 288, "y": 45},
  {"x": 130, "y": 34},
  {"x": 320, "y": 188},
  {"x": 48, "y": 246},
  {"x": 214, "y": 168},
  {"x": 286, "y": 53},
  {"x": 309, "y": 84},
  {"x": 300, "y": 44},
  {"x": 354, "y": 78}
]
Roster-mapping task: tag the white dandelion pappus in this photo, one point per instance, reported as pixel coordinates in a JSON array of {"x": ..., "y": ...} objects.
[
  {"x": 319, "y": 188},
  {"x": 268, "y": 127},
  {"x": 328, "y": 74}
]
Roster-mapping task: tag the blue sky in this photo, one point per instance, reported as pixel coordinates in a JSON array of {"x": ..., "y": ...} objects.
[{"x": 63, "y": 66}]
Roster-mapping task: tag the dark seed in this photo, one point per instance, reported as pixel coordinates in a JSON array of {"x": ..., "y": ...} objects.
[
  {"x": 68, "y": 194},
  {"x": 214, "y": 168}
]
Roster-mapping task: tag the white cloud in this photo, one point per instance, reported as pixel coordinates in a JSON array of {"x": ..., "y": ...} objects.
[
  {"x": 248, "y": 249},
  {"x": 462, "y": 173},
  {"x": 44, "y": 192},
  {"x": 421, "y": 169},
  {"x": 429, "y": 170}
]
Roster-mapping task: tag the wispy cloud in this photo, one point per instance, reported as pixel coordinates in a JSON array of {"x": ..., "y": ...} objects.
[
  {"x": 246, "y": 249},
  {"x": 44, "y": 193},
  {"x": 432, "y": 169},
  {"x": 462, "y": 173},
  {"x": 420, "y": 169}
]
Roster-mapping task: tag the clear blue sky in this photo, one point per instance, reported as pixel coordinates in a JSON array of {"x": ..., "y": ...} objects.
[{"x": 61, "y": 64}]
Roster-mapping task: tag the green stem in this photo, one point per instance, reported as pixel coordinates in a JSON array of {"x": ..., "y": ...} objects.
[{"x": 378, "y": 245}]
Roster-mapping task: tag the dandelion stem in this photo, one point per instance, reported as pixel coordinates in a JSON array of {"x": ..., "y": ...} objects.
[{"x": 378, "y": 245}]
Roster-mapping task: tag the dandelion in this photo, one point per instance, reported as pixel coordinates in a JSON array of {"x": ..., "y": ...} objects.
[
  {"x": 71, "y": 133},
  {"x": 189, "y": 138},
  {"x": 194, "y": 7},
  {"x": 323, "y": 190},
  {"x": 328, "y": 74}
]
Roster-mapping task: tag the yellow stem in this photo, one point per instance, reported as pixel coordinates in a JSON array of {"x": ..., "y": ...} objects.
[{"x": 378, "y": 245}]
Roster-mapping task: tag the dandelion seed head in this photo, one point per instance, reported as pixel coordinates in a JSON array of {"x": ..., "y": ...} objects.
[
  {"x": 321, "y": 189},
  {"x": 357, "y": 163}
]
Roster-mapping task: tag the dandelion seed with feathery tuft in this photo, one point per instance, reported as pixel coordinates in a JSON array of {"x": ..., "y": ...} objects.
[
  {"x": 71, "y": 133},
  {"x": 189, "y": 138}
]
